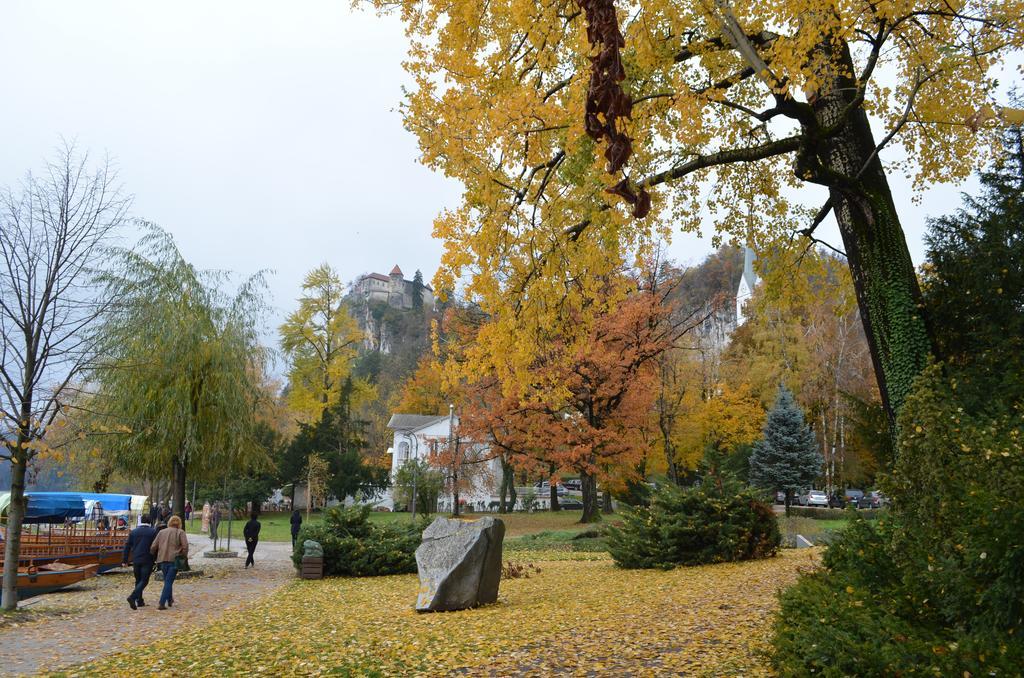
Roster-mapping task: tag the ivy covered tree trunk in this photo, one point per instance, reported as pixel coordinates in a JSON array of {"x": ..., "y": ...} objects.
[
  {"x": 590, "y": 509},
  {"x": 888, "y": 293},
  {"x": 15, "y": 518}
]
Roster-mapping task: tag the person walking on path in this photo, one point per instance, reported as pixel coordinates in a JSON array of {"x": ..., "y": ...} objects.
[
  {"x": 188, "y": 510},
  {"x": 137, "y": 547},
  {"x": 251, "y": 531},
  {"x": 171, "y": 549},
  {"x": 154, "y": 514},
  {"x": 214, "y": 522},
  {"x": 296, "y": 525}
]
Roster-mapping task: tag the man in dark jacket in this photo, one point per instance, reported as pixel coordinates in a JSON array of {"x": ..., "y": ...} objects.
[
  {"x": 252, "y": 537},
  {"x": 296, "y": 526},
  {"x": 137, "y": 548}
]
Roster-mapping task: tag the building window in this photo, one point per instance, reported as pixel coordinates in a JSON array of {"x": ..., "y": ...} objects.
[{"x": 403, "y": 453}]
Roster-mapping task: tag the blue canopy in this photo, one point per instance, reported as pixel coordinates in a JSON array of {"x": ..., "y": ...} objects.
[
  {"x": 111, "y": 502},
  {"x": 53, "y": 507}
]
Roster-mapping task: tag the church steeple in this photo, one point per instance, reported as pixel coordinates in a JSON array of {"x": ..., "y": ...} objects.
[{"x": 747, "y": 282}]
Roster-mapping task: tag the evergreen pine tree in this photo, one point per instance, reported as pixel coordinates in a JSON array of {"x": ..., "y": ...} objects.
[
  {"x": 786, "y": 458},
  {"x": 417, "y": 291}
]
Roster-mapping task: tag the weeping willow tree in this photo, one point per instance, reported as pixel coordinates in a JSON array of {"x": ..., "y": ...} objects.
[{"x": 178, "y": 392}]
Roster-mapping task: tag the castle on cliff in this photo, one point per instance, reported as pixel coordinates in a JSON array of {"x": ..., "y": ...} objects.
[{"x": 392, "y": 289}]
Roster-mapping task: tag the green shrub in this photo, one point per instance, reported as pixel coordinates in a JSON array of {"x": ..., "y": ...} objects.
[
  {"x": 937, "y": 586},
  {"x": 355, "y": 547},
  {"x": 694, "y": 527},
  {"x": 832, "y": 513},
  {"x": 852, "y": 618}
]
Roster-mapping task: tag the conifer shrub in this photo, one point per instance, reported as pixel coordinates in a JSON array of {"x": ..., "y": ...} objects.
[
  {"x": 355, "y": 547},
  {"x": 694, "y": 526}
]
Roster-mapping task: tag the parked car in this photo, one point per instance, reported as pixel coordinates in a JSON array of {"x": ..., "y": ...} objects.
[
  {"x": 570, "y": 504},
  {"x": 878, "y": 500},
  {"x": 814, "y": 498},
  {"x": 836, "y": 500},
  {"x": 780, "y": 497},
  {"x": 574, "y": 484},
  {"x": 544, "y": 487},
  {"x": 852, "y": 496},
  {"x": 865, "y": 502}
]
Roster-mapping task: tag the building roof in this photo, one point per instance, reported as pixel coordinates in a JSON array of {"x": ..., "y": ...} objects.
[
  {"x": 396, "y": 270},
  {"x": 412, "y": 422},
  {"x": 377, "y": 276}
]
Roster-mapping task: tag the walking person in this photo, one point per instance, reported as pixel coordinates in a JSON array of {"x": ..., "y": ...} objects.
[
  {"x": 296, "y": 525},
  {"x": 214, "y": 522},
  {"x": 171, "y": 549},
  {"x": 154, "y": 514},
  {"x": 137, "y": 548},
  {"x": 188, "y": 510},
  {"x": 251, "y": 531}
]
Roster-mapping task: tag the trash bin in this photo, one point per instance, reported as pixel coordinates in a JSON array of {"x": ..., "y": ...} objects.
[
  {"x": 312, "y": 560},
  {"x": 312, "y": 567}
]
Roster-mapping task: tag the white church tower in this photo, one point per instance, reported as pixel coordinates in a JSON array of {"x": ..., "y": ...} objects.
[{"x": 747, "y": 282}]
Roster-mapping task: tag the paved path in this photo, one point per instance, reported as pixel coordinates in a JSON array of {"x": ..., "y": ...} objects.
[{"x": 93, "y": 619}]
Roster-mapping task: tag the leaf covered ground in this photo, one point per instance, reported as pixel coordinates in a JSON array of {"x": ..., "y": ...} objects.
[{"x": 580, "y": 615}]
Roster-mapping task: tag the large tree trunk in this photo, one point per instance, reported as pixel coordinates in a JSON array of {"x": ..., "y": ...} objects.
[
  {"x": 590, "y": 509},
  {"x": 503, "y": 490},
  {"x": 606, "y": 502},
  {"x": 178, "y": 490},
  {"x": 883, "y": 275},
  {"x": 15, "y": 517},
  {"x": 552, "y": 489}
]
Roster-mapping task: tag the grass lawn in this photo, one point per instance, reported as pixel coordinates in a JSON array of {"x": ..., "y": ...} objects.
[
  {"x": 276, "y": 526},
  {"x": 811, "y": 528},
  {"x": 570, "y": 616}
]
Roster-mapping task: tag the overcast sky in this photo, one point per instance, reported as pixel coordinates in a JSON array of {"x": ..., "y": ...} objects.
[{"x": 262, "y": 135}]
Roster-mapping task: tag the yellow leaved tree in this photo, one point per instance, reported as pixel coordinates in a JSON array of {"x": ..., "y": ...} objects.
[
  {"x": 320, "y": 339},
  {"x": 703, "y": 112}
]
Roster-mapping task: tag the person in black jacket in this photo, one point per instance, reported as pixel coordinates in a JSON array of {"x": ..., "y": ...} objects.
[
  {"x": 137, "y": 549},
  {"x": 251, "y": 531},
  {"x": 296, "y": 524}
]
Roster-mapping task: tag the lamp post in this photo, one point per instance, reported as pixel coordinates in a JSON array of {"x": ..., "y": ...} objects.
[{"x": 452, "y": 451}]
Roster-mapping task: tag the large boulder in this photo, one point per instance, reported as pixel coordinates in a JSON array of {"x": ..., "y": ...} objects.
[{"x": 459, "y": 564}]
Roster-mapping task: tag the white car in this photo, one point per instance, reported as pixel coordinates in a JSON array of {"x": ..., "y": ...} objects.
[{"x": 814, "y": 498}]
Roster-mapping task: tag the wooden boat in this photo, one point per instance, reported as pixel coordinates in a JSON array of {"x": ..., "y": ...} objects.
[
  {"x": 33, "y": 581},
  {"x": 61, "y": 532}
]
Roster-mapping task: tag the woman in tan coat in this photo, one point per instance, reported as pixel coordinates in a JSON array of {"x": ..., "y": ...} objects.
[{"x": 170, "y": 544}]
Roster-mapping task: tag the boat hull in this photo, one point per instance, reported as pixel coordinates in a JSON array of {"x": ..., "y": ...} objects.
[{"x": 34, "y": 583}]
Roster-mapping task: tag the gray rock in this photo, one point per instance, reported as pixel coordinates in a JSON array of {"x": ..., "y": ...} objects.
[
  {"x": 312, "y": 549},
  {"x": 803, "y": 542},
  {"x": 459, "y": 564}
]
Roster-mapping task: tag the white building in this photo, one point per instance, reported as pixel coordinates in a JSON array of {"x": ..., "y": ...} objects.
[
  {"x": 747, "y": 282},
  {"x": 419, "y": 436}
]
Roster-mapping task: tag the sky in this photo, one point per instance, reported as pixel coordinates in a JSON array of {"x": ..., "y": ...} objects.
[{"x": 262, "y": 135}]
